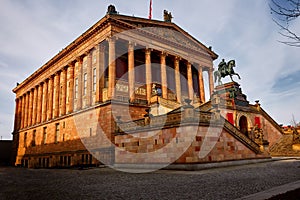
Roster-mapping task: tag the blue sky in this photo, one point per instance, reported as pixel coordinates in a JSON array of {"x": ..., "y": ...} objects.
[{"x": 33, "y": 31}]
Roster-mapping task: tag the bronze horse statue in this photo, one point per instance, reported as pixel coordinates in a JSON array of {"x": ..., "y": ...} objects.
[{"x": 225, "y": 69}]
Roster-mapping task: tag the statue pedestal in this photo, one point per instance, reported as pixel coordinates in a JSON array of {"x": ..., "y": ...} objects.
[{"x": 230, "y": 95}]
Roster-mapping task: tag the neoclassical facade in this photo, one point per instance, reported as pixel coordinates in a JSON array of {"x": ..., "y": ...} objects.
[{"x": 120, "y": 59}]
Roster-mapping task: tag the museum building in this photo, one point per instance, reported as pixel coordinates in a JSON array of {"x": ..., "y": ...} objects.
[{"x": 138, "y": 76}]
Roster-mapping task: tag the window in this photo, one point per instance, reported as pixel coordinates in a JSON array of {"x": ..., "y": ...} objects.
[
  {"x": 25, "y": 139},
  {"x": 44, "y": 135},
  {"x": 76, "y": 88},
  {"x": 94, "y": 79},
  {"x": 84, "y": 83},
  {"x": 33, "y": 138},
  {"x": 56, "y": 133}
]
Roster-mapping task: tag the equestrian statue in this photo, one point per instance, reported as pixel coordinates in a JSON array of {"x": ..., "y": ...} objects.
[{"x": 225, "y": 69}]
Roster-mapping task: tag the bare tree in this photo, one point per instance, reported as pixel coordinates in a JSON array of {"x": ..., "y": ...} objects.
[{"x": 284, "y": 12}]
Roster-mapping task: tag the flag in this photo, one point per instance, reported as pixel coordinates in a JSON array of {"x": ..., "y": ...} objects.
[{"x": 150, "y": 11}]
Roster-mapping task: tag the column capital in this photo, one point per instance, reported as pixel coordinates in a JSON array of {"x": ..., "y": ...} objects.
[
  {"x": 131, "y": 44},
  {"x": 80, "y": 59},
  {"x": 72, "y": 63},
  {"x": 111, "y": 39},
  {"x": 148, "y": 51},
  {"x": 163, "y": 54},
  {"x": 57, "y": 73},
  {"x": 88, "y": 52},
  {"x": 177, "y": 58},
  {"x": 101, "y": 47}
]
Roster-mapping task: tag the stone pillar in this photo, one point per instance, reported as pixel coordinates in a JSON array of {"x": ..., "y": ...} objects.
[
  {"x": 63, "y": 86},
  {"x": 29, "y": 122},
  {"x": 148, "y": 74},
  {"x": 190, "y": 81},
  {"x": 177, "y": 79},
  {"x": 89, "y": 79},
  {"x": 131, "y": 73},
  {"x": 40, "y": 97},
  {"x": 17, "y": 116},
  {"x": 100, "y": 75},
  {"x": 34, "y": 106},
  {"x": 25, "y": 111},
  {"x": 211, "y": 81},
  {"x": 201, "y": 84},
  {"x": 45, "y": 100},
  {"x": 111, "y": 67},
  {"x": 50, "y": 96},
  {"x": 164, "y": 83},
  {"x": 80, "y": 79},
  {"x": 70, "y": 90},
  {"x": 56, "y": 95}
]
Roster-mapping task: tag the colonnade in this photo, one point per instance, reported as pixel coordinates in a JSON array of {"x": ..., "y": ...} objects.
[{"x": 80, "y": 84}]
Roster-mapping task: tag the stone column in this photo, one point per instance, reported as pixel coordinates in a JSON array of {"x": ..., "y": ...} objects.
[
  {"x": 111, "y": 67},
  {"x": 25, "y": 110},
  {"x": 177, "y": 79},
  {"x": 17, "y": 116},
  {"x": 190, "y": 81},
  {"x": 50, "y": 100},
  {"x": 20, "y": 113},
  {"x": 148, "y": 74},
  {"x": 80, "y": 79},
  {"x": 100, "y": 75},
  {"x": 89, "y": 79},
  {"x": 56, "y": 95},
  {"x": 131, "y": 73},
  {"x": 44, "y": 101},
  {"x": 34, "y": 106},
  {"x": 70, "y": 90},
  {"x": 201, "y": 84},
  {"x": 63, "y": 86},
  {"x": 164, "y": 83},
  {"x": 29, "y": 122},
  {"x": 211, "y": 80},
  {"x": 40, "y": 97}
]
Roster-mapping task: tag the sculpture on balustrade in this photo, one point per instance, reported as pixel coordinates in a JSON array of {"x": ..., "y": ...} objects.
[{"x": 167, "y": 16}]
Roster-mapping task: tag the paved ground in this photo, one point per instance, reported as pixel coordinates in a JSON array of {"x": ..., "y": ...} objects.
[{"x": 104, "y": 183}]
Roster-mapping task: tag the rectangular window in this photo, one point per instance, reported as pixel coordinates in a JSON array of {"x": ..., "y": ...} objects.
[
  {"x": 76, "y": 88},
  {"x": 84, "y": 84},
  {"x": 33, "y": 138},
  {"x": 25, "y": 139},
  {"x": 56, "y": 133},
  {"x": 94, "y": 79},
  {"x": 44, "y": 135}
]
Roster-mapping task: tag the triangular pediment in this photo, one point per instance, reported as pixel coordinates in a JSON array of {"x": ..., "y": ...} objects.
[{"x": 166, "y": 31}]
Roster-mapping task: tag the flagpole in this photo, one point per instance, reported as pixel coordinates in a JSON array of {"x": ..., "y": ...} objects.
[{"x": 150, "y": 10}]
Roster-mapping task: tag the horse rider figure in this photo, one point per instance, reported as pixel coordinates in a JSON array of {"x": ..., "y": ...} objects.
[
  {"x": 222, "y": 67},
  {"x": 225, "y": 69}
]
